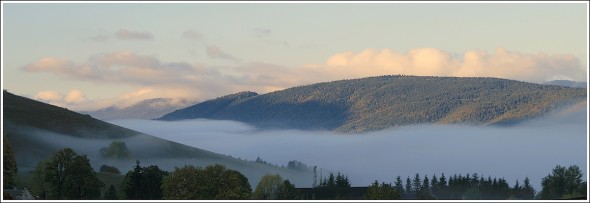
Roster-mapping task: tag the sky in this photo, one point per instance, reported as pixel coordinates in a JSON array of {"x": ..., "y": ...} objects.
[{"x": 86, "y": 56}]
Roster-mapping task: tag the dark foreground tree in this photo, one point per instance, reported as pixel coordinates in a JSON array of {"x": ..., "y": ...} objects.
[
  {"x": 287, "y": 191},
  {"x": 273, "y": 187},
  {"x": 563, "y": 183},
  {"x": 334, "y": 187},
  {"x": 382, "y": 191},
  {"x": 144, "y": 183},
  {"x": 212, "y": 183},
  {"x": 268, "y": 187},
  {"x": 10, "y": 169},
  {"x": 65, "y": 175}
]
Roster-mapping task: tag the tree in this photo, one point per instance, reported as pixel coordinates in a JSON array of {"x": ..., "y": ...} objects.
[
  {"x": 563, "y": 183},
  {"x": 226, "y": 184},
  {"x": 408, "y": 186},
  {"x": 342, "y": 186},
  {"x": 382, "y": 192},
  {"x": 66, "y": 175},
  {"x": 10, "y": 169},
  {"x": 417, "y": 185},
  {"x": 111, "y": 194},
  {"x": 215, "y": 182},
  {"x": 399, "y": 187},
  {"x": 116, "y": 150},
  {"x": 144, "y": 183},
  {"x": 424, "y": 192},
  {"x": 133, "y": 187},
  {"x": 183, "y": 184},
  {"x": 81, "y": 181},
  {"x": 287, "y": 191},
  {"x": 268, "y": 187},
  {"x": 39, "y": 185},
  {"x": 528, "y": 192}
]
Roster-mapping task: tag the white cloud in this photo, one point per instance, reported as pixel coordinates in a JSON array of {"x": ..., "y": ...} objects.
[
  {"x": 48, "y": 96},
  {"x": 75, "y": 96}
]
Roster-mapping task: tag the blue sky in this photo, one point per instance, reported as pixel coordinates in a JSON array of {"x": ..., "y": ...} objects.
[{"x": 86, "y": 56}]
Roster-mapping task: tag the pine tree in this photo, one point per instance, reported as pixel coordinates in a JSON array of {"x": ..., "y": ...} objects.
[
  {"x": 416, "y": 183},
  {"x": 409, "y": 186},
  {"x": 399, "y": 188},
  {"x": 528, "y": 192},
  {"x": 133, "y": 190}
]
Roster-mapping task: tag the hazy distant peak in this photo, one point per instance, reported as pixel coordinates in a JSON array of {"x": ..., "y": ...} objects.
[
  {"x": 567, "y": 83},
  {"x": 146, "y": 109}
]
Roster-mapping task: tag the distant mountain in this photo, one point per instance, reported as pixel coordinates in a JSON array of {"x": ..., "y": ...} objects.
[
  {"x": 567, "y": 83},
  {"x": 376, "y": 103},
  {"x": 146, "y": 109},
  {"x": 37, "y": 130}
]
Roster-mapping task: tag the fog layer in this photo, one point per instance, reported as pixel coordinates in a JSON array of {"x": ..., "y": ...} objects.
[{"x": 531, "y": 149}]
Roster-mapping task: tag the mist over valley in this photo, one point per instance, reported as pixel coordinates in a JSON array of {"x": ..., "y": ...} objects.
[{"x": 529, "y": 149}]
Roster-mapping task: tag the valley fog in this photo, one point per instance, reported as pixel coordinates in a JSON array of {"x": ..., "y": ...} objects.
[{"x": 530, "y": 149}]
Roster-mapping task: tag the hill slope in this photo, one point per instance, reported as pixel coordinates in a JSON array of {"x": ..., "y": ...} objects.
[
  {"x": 146, "y": 109},
  {"x": 37, "y": 130},
  {"x": 376, "y": 103}
]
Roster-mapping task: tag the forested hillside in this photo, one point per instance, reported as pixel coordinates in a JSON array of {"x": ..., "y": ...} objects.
[
  {"x": 375, "y": 103},
  {"x": 23, "y": 111}
]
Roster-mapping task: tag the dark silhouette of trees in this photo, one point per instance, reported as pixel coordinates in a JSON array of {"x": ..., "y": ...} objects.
[
  {"x": 563, "y": 183},
  {"x": 333, "y": 187},
  {"x": 287, "y": 191},
  {"x": 66, "y": 175},
  {"x": 10, "y": 169},
  {"x": 144, "y": 183},
  {"x": 214, "y": 182},
  {"x": 383, "y": 191},
  {"x": 273, "y": 187},
  {"x": 116, "y": 150}
]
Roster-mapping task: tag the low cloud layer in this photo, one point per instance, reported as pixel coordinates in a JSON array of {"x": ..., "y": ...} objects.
[
  {"x": 530, "y": 149},
  {"x": 147, "y": 73}
]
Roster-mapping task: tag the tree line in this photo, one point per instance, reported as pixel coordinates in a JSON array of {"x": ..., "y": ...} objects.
[{"x": 67, "y": 175}]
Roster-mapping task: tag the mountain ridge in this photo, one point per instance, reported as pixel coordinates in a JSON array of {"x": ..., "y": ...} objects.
[{"x": 380, "y": 102}]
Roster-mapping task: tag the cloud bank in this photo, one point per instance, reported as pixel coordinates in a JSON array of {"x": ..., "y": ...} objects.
[{"x": 181, "y": 79}]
